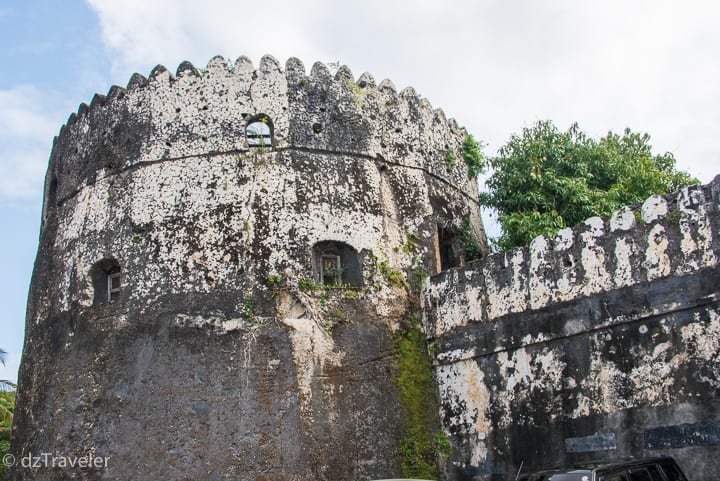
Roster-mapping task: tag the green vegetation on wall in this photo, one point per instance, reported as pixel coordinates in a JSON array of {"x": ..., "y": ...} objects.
[
  {"x": 450, "y": 160},
  {"x": 468, "y": 241},
  {"x": 473, "y": 156},
  {"x": 419, "y": 446}
]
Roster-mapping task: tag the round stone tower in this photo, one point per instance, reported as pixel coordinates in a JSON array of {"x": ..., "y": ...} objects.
[{"x": 226, "y": 258}]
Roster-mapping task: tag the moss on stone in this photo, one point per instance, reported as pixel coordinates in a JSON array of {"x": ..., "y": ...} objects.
[
  {"x": 416, "y": 385},
  {"x": 450, "y": 160}
]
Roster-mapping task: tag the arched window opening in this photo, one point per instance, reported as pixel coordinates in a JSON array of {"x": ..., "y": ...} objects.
[
  {"x": 106, "y": 278},
  {"x": 336, "y": 264},
  {"x": 447, "y": 249},
  {"x": 259, "y": 134}
]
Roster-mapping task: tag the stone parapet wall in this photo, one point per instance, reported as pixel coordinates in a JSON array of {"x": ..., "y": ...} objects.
[
  {"x": 200, "y": 113},
  {"x": 666, "y": 236},
  {"x": 605, "y": 337}
]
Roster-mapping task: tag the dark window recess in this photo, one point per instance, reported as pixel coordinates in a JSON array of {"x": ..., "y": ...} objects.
[
  {"x": 259, "y": 134},
  {"x": 106, "y": 279},
  {"x": 447, "y": 247},
  {"x": 336, "y": 264}
]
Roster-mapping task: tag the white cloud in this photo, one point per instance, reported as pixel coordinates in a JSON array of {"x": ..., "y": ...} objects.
[
  {"x": 26, "y": 133},
  {"x": 143, "y": 33},
  {"x": 496, "y": 66}
]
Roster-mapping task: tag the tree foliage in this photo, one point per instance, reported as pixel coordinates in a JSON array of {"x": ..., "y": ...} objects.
[
  {"x": 545, "y": 179},
  {"x": 7, "y": 406}
]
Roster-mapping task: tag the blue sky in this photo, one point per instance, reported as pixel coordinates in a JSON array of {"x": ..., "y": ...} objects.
[
  {"x": 496, "y": 66},
  {"x": 52, "y": 58}
]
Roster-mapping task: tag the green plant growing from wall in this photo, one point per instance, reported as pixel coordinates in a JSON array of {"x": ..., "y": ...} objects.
[
  {"x": 416, "y": 385},
  {"x": 412, "y": 240},
  {"x": 420, "y": 274},
  {"x": 468, "y": 241},
  {"x": 393, "y": 276},
  {"x": 450, "y": 160},
  {"x": 357, "y": 93},
  {"x": 443, "y": 447},
  {"x": 473, "y": 156},
  {"x": 412, "y": 247},
  {"x": 250, "y": 309},
  {"x": 306, "y": 285},
  {"x": 673, "y": 217},
  {"x": 333, "y": 273},
  {"x": 336, "y": 316},
  {"x": 639, "y": 218},
  {"x": 324, "y": 296},
  {"x": 275, "y": 281}
]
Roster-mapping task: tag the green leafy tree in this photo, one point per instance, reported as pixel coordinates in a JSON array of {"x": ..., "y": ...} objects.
[
  {"x": 7, "y": 406},
  {"x": 545, "y": 179}
]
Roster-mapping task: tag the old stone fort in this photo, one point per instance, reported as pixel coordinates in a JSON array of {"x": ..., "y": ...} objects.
[{"x": 262, "y": 274}]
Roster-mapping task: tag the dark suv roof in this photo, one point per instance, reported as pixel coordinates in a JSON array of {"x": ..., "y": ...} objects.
[{"x": 648, "y": 469}]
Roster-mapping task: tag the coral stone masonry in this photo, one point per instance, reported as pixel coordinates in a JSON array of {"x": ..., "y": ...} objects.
[
  {"x": 599, "y": 344},
  {"x": 226, "y": 259},
  {"x": 240, "y": 267}
]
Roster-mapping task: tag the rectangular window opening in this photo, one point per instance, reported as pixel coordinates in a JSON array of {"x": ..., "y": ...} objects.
[
  {"x": 330, "y": 270},
  {"x": 113, "y": 286}
]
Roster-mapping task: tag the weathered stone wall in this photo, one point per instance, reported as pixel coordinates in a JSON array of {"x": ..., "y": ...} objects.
[
  {"x": 601, "y": 343},
  {"x": 222, "y": 359}
]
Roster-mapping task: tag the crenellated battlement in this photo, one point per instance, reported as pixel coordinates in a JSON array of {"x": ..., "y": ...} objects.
[
  {"x": 204, "y": 112},
  {"x": 665, "y": 236},
  {"x": 602, "y": 341}
]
